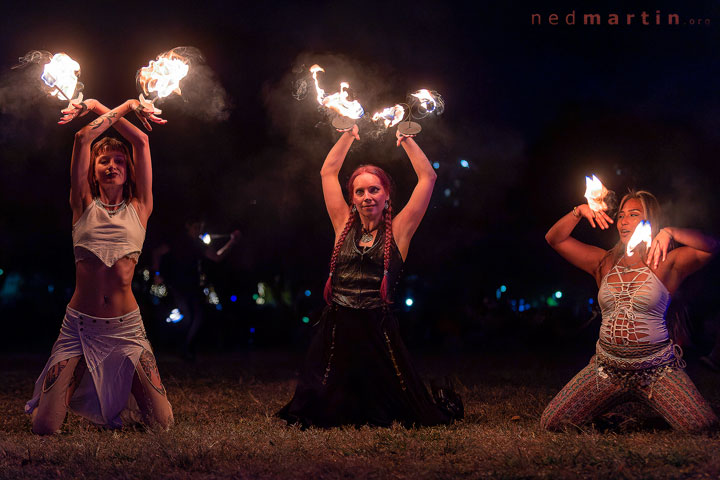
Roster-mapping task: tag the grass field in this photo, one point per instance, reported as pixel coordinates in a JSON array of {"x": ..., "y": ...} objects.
[{"x": 225, "y": 428}]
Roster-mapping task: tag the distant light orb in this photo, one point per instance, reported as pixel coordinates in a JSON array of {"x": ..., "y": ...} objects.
[
  {"x": 218, "y": 306},
  {"x": 308, "y": 293},
  {"x": 255, "y": 296},
  {"x": 409, "y": 302},
  {"x": 503, "y": 288},
  {"x": 464, "y": 164},
  {"x": 447, "y": 192},
  {"x": 558, "y": 294},
  {"x": 436, "y": 165},
  {"x": 233, "y": 298},
  {"x": 2, "y": 271},
  {"x": 205, "y": 237},
  {"x": 306, "y": 319},
  {"x": 175, "y": 316},
  {"x": 51, "y": 288},
  {"x": 591, "y": 301},
  {"x": 252, "y": 329}
]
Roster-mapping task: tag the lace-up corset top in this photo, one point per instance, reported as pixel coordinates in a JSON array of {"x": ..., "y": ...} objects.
[
  {"x": 633, "y": 303},
  {"x": 107, "y": 237},
  {"x": 359, "y": 271}
]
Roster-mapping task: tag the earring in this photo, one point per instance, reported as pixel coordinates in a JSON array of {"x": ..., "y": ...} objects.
[
  {"x": 387, "y": 204},
  {"x": 353, "y": 209}
]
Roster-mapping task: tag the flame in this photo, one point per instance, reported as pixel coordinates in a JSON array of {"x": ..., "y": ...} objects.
[
  {"x": 642, "y": 234},
  {"x": 162, "y": 76},
  {"x": 427, "y": 100},
  {"x": 595, "y": 193},
  {"x": 391, "y": 115},
  {"x": 337, "y": 101},
  {"x": 61, "y": 74}
]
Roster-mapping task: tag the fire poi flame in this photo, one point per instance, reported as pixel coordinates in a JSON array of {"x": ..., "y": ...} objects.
[
  {"x": 391, "y": 116},
  {"x": 337, "y": 102},
  {"x": 162, "y": 76},
  {"x": 428, "y": 104},
  {"x": 595, "y": 192},
  {"x": 61, "y": 74},
  {"x": 642, "y": 234}
]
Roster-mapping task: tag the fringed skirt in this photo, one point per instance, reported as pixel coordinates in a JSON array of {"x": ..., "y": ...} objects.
[{"x": 111, "y": 348}]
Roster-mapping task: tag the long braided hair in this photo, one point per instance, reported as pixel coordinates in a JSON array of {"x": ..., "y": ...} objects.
[{"x": 354, "y": 217}]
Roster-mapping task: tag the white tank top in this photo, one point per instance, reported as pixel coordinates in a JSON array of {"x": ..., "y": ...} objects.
[
  {"x": 109, "y": 238},
  {"x": 633, "y": 310}
]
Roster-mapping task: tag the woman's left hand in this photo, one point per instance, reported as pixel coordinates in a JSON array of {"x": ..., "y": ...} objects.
[
  {"x": 400, "y": 137},
  {"x": 75, "y": 109},
  {"x": 659, "y": 248}
]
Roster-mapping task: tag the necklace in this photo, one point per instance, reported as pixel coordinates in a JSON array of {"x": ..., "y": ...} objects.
[
  {"x": 627, "y": 268},
  {"x": 367, "y": 236},
  {"x": 121, "y": 206}
]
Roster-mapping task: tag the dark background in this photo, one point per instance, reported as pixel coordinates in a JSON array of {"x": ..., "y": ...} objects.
[{"x": 533, "y": 109}]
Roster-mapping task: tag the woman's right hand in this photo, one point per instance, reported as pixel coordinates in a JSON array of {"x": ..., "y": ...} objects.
[
  {"x": 354, "y": 131},
  {"x": 603, "y": 219},
  {"x": 145, "y": 113}
]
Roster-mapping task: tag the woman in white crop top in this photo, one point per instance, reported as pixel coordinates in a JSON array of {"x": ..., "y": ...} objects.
[
  {"x": 635, "y": 358},
  {"x": 102, "y": 365}
]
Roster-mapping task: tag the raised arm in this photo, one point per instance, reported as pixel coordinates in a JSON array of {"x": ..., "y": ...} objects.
[
  {"x": 334, "y": 201},
  {"x": 80, "y": 195},
  {"x": 585, "y": 257},
  {"x": 674, "y": 266},
  {"x": 407, "y": 221},
  {"x": 80, "y": 190}
]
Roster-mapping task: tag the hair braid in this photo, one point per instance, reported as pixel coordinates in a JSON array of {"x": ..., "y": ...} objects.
[
  {"x": 386, "y": 254},
  {"x": 327, "y": 292}
]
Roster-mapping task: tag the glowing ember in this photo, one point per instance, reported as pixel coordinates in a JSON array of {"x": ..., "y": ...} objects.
[
  {"x": 61, "y": 74},
  {"x": 427, "y": 100},
  {"x": 642, "y": 234},
  {"x": 391, "y": 115},
  {"x": 162, "y": 76},
  {"x": 595, "y": 192},
  {"x": 337, "y": 101}
]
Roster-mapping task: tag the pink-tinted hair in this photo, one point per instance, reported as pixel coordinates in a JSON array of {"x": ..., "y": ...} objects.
[{"x": 353, "y": 217}]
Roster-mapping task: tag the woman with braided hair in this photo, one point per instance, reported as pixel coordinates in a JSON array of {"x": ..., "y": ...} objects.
[{"x": 358, "y": 370}]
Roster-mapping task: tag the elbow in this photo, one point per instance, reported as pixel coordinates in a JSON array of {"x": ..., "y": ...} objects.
[
  {"x": 82, "y": 137},
  {"x": 549, "y": 238},
  {"x": 141, "y": 140}
]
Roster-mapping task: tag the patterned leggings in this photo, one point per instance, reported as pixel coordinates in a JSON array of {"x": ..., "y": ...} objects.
[{"x": 587, "y": 395}]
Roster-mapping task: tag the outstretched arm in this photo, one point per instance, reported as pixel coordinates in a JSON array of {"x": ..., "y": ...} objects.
[
  {"x": 334, "y": 201},
  {"x": 407, "y": 221},
  {"x": 585, "y": 257}
]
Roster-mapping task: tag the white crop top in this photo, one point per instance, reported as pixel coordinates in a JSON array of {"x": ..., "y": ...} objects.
[
  {"x": 109, "y": 238},
  {"x": 633, "y": 310}
]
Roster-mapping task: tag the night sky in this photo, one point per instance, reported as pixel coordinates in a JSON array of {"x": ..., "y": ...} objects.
[{"x": 532, "y": 108}]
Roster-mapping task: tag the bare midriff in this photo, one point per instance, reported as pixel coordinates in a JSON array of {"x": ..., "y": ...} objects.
[{"x": 102, "y": 291}]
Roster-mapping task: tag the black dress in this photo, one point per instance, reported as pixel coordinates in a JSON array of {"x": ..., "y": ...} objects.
[{"x": 357, "y": 369}]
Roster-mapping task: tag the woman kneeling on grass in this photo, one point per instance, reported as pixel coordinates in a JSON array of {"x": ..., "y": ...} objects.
[
  {"x": 102, "y": 358},
  {"x": 357, "y": 370},
  {"x": 635, "y": 358}
]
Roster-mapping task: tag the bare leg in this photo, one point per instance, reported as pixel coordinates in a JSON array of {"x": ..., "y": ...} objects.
[
  {"x": 150, "y": 394},
  {"x": 59, "y": 385}
]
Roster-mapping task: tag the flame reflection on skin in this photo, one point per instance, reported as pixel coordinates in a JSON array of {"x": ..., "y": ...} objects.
[
  {"x": 390, "y": 115},
  {"x": 61, "y": 75},
  {"x": 337, "y": 101},
  {"x": 595, "y": 193},
  {"x": 162, "y": 76},
  {"x": 642, "y": 234}
]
